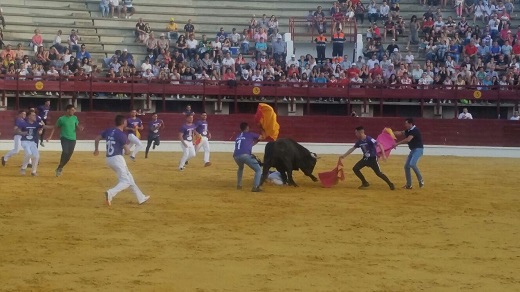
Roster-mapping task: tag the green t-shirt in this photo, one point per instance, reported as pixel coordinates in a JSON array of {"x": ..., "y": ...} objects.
[{"x": 68, "y": 125}]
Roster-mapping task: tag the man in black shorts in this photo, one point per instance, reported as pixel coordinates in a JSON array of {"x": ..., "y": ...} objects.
[{"x": 368, "y": 146}]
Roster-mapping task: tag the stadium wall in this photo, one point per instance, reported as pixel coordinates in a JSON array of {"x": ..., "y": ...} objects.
[{"x": 315, "y": 129}]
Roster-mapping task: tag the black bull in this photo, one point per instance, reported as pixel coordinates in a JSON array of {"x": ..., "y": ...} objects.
[{"x": 287, "y": 155}]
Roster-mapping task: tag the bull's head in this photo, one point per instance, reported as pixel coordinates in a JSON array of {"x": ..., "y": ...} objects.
[{"x": 315, "y": 155}]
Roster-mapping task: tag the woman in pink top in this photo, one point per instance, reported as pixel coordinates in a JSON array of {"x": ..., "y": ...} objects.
[{"x": 37, "y": 40}]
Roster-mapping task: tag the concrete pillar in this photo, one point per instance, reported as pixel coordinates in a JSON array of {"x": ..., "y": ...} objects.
[{"x": 224, "y": 108}]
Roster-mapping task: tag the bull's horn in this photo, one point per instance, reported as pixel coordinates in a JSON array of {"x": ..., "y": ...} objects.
[{"x": 315, "y": 155}]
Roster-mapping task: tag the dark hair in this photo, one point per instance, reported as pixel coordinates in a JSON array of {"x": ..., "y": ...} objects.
[
  {"x": 409, "y": 121},
  {"x": 119, "y": 120},
  {"x": 69, "y": 106},
  {"x": 360, "y": 128},
  {"x": 243, "y": 126}
]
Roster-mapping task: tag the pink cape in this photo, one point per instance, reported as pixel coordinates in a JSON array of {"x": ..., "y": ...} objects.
[{"x": 387, "y": 139}]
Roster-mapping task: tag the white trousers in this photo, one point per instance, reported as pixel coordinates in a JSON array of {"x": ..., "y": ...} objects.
[
  {"x": 134, "y": 141},
  {"x": 204, "y": 144},
  {"x": 187, "y": 153},
  {"x": 16, "y": 149},
  {"x": 31, "y": 153},
  {"x": 125, "y": 178}
]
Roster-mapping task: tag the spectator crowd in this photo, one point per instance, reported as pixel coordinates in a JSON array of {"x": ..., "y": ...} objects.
[{"x": 479, "y": 51}]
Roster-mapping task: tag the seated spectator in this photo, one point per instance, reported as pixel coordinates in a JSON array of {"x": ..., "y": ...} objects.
[
  {"x": 260, "y": 47},
  {"x": 128, "y": 8},
  {"x": 7, "y": 51},
  {"x": 146, "y": 64},
  {"x": 126, "y": 57},
  {"x": 37, "y": 40},
  {"x": 57, "y": 43},
  {"x": 189, "y": 29},
  {"x": 465, "y": 115},
  {"x": 19, "y": 53},
  {"x": 163, "y": 43},
  {"x": 235, "y": 38},
  {"x": 373, "y": 13},
  {"x": 319, "y": 22},
  {"x": 140, "y": 33},
  {"x": 86, "y": 66},
  {"x": 104, "y": 7},
  {"x": 279, "y": 48},
  {"x": 82, "y": 53},
  {"x": 515, "y": 116},
  {"x": 221, "y": 35},
  {"x": 74, "y": 41},
  {"x": 384, "y": 11},
  {"x": 148, "y": 75},
  {"x": 151, "y": 45},
  {"x": 226, "y": 46},
  {"x": 114, "y": 64},
  {"x": 228, "y": 63},
  {"x": 114, "y": 5},
  {"x": 172, "y": 30}
]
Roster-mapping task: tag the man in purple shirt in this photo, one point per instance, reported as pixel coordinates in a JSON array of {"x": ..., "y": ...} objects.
[
  {"x": 30, "y": 131},
  {"x": 116, "y": 147},
  {"x": 186, "y": 134},
  {"x": 202, "y": 129},
  {"x": 244, "y": 143},
  {"x": 133, "y": 126},
  {"x": 43, "y": 113},
  {"x": 368, "y": 146},
  {"x": 18, "y": 123},
  {"x": 153, "y": 133}
]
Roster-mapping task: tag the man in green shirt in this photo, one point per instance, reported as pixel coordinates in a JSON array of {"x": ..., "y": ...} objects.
[{"x": 68, "y": 124}]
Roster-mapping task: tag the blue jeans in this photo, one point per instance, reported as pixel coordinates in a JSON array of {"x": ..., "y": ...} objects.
[
  {"x": 104, "y": 10},
  {"x": 252, "y": 163},
  {"x": 411, "y": 162}
]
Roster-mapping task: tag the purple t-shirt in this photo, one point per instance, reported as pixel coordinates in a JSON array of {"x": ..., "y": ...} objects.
[
  {"x": 202, "y": 128},
  {"x": 19, "y": 122},
  {"x": 368, "y": 146},
  {"x": 244, "y": 143},
  {"x": 116, "y": 141},
  {"x": 133, "y": 123},
  {"x": 43, "y": 111},
  {"x": 32, "y": 131},
  {"x": 187, "y": 132},
  {"x": 153, "y": 132}
]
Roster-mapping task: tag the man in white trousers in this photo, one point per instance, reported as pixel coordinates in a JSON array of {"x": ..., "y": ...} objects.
[
  {"x": 203, "y": 131},
  {"x": 19, "y": 121},
  {"x": 30, "y": 132},
  {"x": 133, "y": 126},
  {"x": 186, "y": 134},
  {"x": 116, "y": 147}
]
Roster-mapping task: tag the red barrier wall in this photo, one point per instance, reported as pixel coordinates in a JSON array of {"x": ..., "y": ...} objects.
[{"x": 331, "y": 129}]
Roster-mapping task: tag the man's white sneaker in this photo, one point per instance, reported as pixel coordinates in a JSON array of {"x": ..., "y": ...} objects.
[{"x": 145, "y": 199}]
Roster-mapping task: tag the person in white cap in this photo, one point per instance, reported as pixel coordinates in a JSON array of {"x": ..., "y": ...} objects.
[{"x": 293, "y": 61}]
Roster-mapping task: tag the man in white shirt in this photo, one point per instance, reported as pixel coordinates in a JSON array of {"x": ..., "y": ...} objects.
[
  {"x": 148, "y": 75},
  {"x": 465, "y": 115},
  {"x": 355, "y": 80},
  {"x": 515, "y": 116},
  {"x": 192, "y": 45},
  {"x": 293, "y": 61},
  {"x": 257, "y": 77},
  {"x": 438, "y": 25},
  {"x": 228, "y": 62},
  {"x": 372, "y": 62},
  {"x": 384, "y": 10}
]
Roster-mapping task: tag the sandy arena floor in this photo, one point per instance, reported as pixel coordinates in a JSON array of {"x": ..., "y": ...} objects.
[{"x": 197, "y": 233}]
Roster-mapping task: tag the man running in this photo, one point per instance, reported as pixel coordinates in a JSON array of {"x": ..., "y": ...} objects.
[
  {"x": 153, "y": 133},
  {"x": 68, "y": 124},
  {"x": 415, "y": 143},
  {"x": 116, "y": 147},
  {"x": 134, "y": 125},
  {"x": 368, "y": 146},
  {"x": 186, "y": 134},
  {"x": 18, "y": 123},
  {"x": 43, "y": 113},
  {"x": 30, "y": 131},
  {"x": 202, "y": 129}
]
